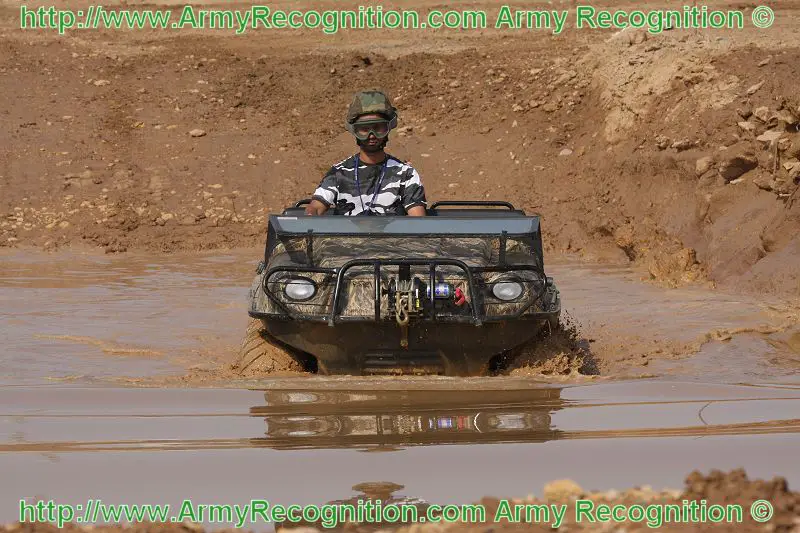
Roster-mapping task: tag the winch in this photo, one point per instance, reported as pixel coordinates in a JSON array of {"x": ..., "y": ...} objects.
[{"x": 409, "y": 297}]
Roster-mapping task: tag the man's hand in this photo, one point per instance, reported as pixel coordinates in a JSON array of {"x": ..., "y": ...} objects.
[
  {"x": 316, "y": 208},
  {"x": 417, "y": 211}
]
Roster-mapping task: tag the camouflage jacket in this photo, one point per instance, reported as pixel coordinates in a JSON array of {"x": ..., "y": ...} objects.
[{"x": 400, "y": 190}]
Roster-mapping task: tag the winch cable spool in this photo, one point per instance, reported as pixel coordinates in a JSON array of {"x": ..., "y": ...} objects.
[
  {"x": 403, "y": 310},
  {"x": 410, "y": 296},
  {"x": 403, "y": 302}
]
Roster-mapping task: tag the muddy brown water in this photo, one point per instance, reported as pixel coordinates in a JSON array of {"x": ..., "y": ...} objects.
[{"x": 71, "y": 325}]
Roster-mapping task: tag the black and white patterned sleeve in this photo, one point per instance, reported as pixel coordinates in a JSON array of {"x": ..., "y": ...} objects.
[
  {"x": 328, "y": 190},
  {"x": 414, "y": 192}
]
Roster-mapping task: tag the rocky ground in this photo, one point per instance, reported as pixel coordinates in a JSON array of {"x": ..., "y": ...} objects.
[{"x": 678, "y": 152}]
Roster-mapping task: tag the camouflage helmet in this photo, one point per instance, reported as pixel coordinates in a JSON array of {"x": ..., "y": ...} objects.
[{"x": 368, "y": 103}]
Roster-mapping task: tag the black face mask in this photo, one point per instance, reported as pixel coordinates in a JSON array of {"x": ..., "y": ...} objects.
[{"x": 378, "y": 148}]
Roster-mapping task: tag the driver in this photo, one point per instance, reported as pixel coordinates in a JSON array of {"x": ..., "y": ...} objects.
[{"x": 370, "y": 182}]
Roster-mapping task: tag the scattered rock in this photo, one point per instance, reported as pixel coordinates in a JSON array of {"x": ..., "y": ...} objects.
[
  {"x": 683, "y": 144},
  {"x": 455, "y": 83},
  {"x": 769, "y": 136},
  {"x": 794, "y": 149},
  {"x": 101, "y": 83},
  {"x": 703, "y": 165},
  {"x": 784, "y": 186},
  {"x": 84, "y": 179},
  {"x": 565, "y": 152},
  {"x": 764, "y": 182},
  {"x": 624, "y": 238},
  {"x": 785, "y": 118},
  {"x": 550, "y": 107},
  {"x": 630, "y": 36},
  {"x": 734, "y": 167},
  {"x": 761, "y": 113},
  {"x": 794, "y": 172},
  {"x": 753, "y": 89},
  {"x": 747, "y": 126},
  {"x": 115, "y": 248},
  {"x": 197, "y": 132},
  {"x": 662, "y": 142},
  {"x": 765, "y": 62},
  {"x": 565, "y": 77},
  {"x": 666, "y": 266},
  {"x": 562, "y": 490}
]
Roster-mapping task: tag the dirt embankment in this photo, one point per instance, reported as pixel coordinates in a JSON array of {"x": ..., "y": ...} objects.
[{"x": 678, "y": 152}]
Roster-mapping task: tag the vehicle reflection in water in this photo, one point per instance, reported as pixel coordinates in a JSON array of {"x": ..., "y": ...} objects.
[{"x": 382, "y": 420}]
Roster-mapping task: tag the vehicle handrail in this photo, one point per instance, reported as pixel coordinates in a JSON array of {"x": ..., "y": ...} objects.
[{"x": 472, "y": 203}]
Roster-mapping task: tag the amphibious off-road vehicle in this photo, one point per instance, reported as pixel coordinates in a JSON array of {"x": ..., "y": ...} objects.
[{"x": 444, "y": 294}]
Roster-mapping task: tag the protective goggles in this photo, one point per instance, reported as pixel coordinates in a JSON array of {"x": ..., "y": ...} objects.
[{"x": 379, "y": 128}]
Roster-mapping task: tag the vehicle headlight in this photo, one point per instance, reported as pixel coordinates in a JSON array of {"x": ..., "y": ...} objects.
[
  {"x": 507, "y": 290},
  {"x": 299, "y": 289}
]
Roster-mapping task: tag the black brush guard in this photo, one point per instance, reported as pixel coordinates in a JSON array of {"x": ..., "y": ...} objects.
[{"x": 478, "y": 315}]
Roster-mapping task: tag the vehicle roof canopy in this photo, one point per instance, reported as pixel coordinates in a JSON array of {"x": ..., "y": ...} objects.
[{"x": 483, "y": 226}]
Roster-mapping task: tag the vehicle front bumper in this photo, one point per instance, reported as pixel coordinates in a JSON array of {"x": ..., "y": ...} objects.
[{"x": 433, "y": 348}]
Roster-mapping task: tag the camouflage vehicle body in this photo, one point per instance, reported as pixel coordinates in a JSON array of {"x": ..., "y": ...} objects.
[{"x": 353, "y": 325}]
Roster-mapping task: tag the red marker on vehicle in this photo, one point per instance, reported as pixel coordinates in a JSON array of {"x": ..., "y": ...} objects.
[{"x": 459, "y": 297}]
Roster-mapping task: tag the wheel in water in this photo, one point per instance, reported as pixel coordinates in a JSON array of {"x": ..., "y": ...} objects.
[{"x": 261, "y": 354}]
